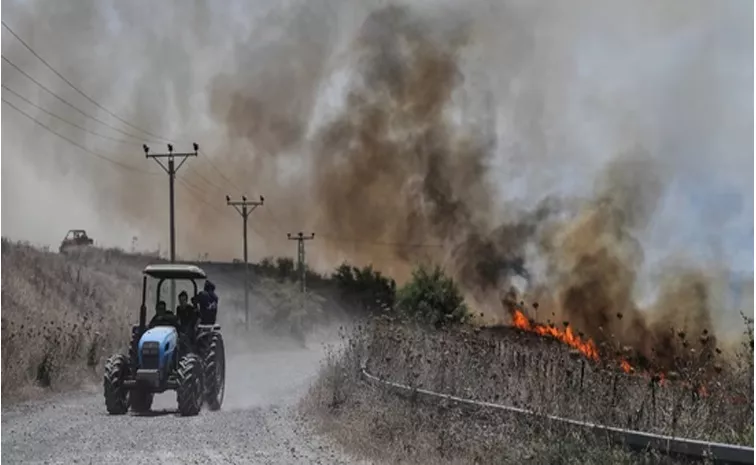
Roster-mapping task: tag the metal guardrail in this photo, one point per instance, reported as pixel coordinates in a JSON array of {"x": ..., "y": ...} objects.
[{"x": 717, "y": 452}]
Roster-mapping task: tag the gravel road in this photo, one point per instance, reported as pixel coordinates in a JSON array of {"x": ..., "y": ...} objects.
[{"x": 257, "y": 424}]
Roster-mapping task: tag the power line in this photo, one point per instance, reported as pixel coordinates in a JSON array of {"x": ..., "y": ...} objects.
[
  {"x": 275, "y": 221},
  {"x": 76, "y": 88},
  {"x": 186, "y": 184},
  {"x": 33, "y": 52},
  {"x": 379, "y": 243},
  {"x": 199, "y": 194},
  {"x": 171, "y": 171},
  {"x": 103, "y": 157},
  {"x": 225, "y": 178},
  {"x": 82, "y": 93},
  {"x": 337, "y": 239},
  {"x": 66, "y": 101},
  {"x": 245, "y": 211},
  {"x": 207, "y": 181},
  {"x": 63, "y": 119},
  {"x": 233, "y": 184},
  {"x": 301, "y": 238}
]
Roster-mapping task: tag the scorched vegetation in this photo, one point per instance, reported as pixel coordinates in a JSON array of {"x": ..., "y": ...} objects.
[{"x": 550, "y": 369}]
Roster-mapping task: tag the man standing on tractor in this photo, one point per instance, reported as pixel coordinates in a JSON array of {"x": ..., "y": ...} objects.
[{"x": 208, "y": 304}]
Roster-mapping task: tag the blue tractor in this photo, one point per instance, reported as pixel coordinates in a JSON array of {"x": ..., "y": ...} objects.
[{"x": 167, "y": 355}]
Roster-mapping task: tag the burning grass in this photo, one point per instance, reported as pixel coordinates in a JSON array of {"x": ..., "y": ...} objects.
[{"x": 522, "y": 368}]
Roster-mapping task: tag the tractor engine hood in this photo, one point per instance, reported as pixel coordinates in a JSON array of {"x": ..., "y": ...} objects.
[{"x": 157, "y": 345}]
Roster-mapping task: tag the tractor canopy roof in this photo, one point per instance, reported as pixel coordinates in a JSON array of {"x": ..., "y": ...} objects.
[{"x": 174, "y": 271}]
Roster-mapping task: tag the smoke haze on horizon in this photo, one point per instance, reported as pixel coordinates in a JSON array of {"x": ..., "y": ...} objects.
[{"x": 471, "y": 125}]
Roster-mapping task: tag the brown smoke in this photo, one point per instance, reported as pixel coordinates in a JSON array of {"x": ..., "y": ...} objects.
[
  {"x": 391, "y": 168},
  {"x": 405, "y": 170},
  {"x": 595, "y": 259}
]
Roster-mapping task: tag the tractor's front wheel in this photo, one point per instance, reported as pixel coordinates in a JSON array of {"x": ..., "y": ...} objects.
[
  {"x": 215, "y": 371},
  {"x": 141, "y": 401},
  {"x": 116, "y": 394},
  {"x": 190, "y": 392}
]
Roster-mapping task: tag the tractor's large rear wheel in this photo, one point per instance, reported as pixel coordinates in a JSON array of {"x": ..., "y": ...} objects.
[
  {"x": 141, "y": 401},
  {"x": 190, "y": 392},
  {"x": 215, "y": 371},
  {"x": 116, "y": 394}
]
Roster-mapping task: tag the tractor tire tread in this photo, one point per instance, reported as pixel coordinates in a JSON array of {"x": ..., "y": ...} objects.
[
  {"x": 116, "y": 395},
  {"x": 214, "y": 358},
  {"x": 190, "y": 386}
]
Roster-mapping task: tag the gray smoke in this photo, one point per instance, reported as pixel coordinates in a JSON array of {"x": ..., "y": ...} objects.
[{"x": 452, "y": 123}]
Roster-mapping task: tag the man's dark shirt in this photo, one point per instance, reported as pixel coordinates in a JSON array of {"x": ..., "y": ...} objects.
[
  {"x": 186, "y": 314},
  {"x": 208, "y": 307}
]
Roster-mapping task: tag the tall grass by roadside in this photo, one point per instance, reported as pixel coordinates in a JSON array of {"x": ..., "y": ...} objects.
[
  {"x": 62, "y": 314},
  {"x": 512, "y": 369},
  {"x": 707, "y": 398}
]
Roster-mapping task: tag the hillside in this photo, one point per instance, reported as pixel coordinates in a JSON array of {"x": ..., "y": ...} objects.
[{"x": 64, "y": 314}]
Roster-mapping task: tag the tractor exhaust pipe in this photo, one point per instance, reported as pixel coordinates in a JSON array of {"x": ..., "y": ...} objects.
[{"x": 143, "y": 307}]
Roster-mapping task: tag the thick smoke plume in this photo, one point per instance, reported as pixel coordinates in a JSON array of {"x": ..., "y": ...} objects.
[
  {"x": 390, "y": 167},
  {"x": 548, "y": 147},
  {"x": 594, "y": 262}
]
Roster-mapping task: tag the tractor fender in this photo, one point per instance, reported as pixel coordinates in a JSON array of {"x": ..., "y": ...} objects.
[
  {"x": 204, "y": 331},
  {"x": 166, "y": 338},
  {"x": 204, "y": 335}
]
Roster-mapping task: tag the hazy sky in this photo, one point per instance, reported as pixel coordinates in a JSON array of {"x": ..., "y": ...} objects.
[{"x": 677, "y": 78}]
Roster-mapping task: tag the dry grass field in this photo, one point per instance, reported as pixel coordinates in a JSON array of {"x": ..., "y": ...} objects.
[
  {"x": 63, "y": 315},
  {"x": 512, "y": 367}
]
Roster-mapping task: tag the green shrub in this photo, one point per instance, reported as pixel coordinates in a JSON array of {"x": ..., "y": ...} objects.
[
  {"x": 267, "y": 267},
  {"x": 431, "y": 297},
  {"x": 365, "y": 287},
  {"x": 285, "y": 267}
]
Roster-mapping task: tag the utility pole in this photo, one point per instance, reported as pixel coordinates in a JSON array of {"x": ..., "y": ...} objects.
[
  {"x": 244, "y": 211},
  {"x": 171, "y": 169},
  {"x": 300, "y": 238}
]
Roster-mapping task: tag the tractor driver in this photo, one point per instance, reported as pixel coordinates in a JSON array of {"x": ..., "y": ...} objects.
[{"x": 163, "y": 316}]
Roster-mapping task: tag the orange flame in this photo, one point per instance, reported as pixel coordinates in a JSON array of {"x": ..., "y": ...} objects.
[
  {"x": 586, "y": 347},
  {"x": 626, "y": 367}
]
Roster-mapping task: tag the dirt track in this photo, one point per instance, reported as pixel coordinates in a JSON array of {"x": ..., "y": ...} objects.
[{"x": 257, "y": 424}]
